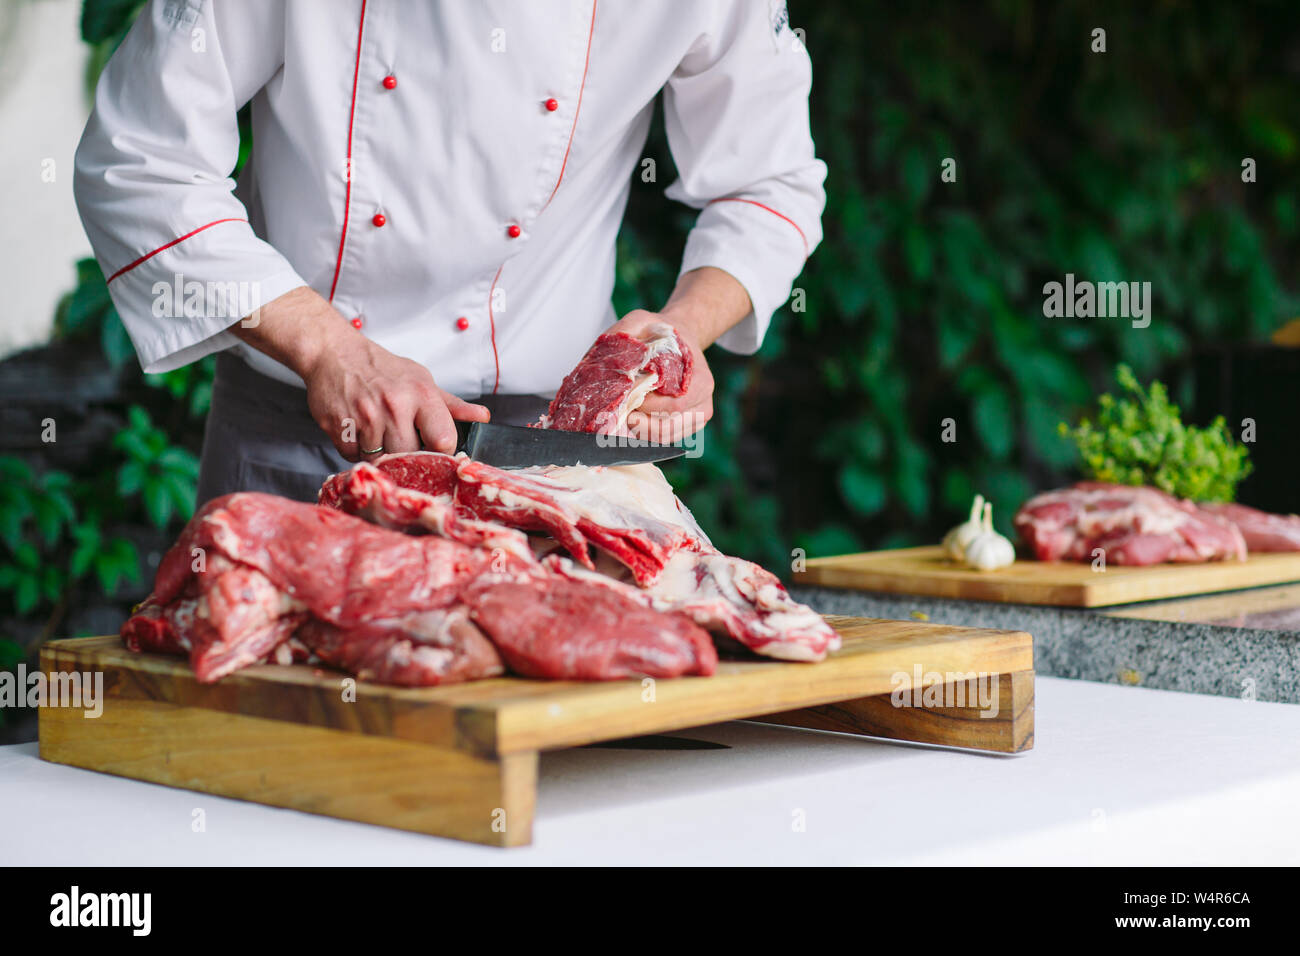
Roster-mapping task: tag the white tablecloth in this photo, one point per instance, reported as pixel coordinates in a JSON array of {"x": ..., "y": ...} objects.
[{"x": 1118, "y": 775}]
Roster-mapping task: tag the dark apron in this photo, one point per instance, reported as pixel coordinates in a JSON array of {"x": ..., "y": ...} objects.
[{"x": 261, "y": 437}]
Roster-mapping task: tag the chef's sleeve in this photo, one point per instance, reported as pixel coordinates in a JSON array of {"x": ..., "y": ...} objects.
[
  {"x": 153, "y": 176},
  {"x": 736, "y": 114}
]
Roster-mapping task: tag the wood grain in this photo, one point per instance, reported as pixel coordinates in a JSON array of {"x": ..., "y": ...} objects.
[
  {"x": 1008, "y": 728},
  {"x": 394, "y": 783},
  {"x": 1219, "y": 607},
  {"x": 927, "y": 571},
  {"x": 444, "y": 760}
]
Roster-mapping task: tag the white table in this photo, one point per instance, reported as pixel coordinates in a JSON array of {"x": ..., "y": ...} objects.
[{"x": 1118, "y": 775}]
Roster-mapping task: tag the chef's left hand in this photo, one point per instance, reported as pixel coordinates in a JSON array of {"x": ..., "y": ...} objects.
[{"x": 662, "y": 418}]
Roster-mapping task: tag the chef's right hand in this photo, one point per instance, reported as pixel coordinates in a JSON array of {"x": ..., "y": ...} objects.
[
  {"x": 372, "y": 402},
  {"x": 366, "y": 399}
]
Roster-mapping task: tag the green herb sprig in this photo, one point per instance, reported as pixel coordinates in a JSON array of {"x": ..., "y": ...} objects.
[{"x": 1139, "y": 439}]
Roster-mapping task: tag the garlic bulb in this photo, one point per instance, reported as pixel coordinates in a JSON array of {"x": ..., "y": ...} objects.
[
  {"x": 955, "y": 541},
  {"x": 988, "y": 550}
]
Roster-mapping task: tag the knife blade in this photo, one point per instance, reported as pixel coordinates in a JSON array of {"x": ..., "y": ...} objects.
[{"x": 513, "y": 446}]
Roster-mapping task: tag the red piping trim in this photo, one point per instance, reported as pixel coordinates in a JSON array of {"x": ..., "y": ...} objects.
[
  {"x": 492, "y": 322},
  {"x": 149, "y": 255},
  {"x": 352, "y": 112},
  {"x": 773, "y": 212},
  {"x": 574, "y": 128}
]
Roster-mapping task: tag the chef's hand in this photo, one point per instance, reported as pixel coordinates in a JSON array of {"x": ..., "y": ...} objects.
[
  {"x": 664, "y": 418},
  {"x": 366, "y": 399},
  {"x": 705, "y": 303}
]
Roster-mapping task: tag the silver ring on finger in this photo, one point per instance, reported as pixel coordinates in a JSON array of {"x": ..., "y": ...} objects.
[{"x": 372, "y": 451}]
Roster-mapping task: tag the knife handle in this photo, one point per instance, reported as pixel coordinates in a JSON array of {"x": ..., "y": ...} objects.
[{"x": 462, "y": 435}]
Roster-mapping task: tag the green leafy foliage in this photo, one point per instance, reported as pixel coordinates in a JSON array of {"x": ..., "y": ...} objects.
[{"x": 1141, "y": 440}]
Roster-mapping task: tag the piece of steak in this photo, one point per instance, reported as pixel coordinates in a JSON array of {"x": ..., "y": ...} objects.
[
  {"x": 1131, "y": 525},
  {"x": 747, "y": 603},
  {"x": 630, "y": 512},
  {"x": 369, "y": 492},
  {"x": 566, "y": 629},
  {"x": 615, "y": 376},
  {"x": 1262, "y": 531},
  {"x": 726, "y": 596},
  {"x": 250, "y": 570},
  {"x": 436, "y": 647}
]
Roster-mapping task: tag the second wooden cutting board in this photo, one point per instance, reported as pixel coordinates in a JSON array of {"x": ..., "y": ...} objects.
[{"x": 928, "y": 572}]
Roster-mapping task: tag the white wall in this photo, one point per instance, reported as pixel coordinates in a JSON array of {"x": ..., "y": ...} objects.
[{"x": 43, "y": 107}]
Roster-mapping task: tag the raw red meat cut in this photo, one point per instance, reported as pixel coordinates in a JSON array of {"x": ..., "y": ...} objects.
[
  {"x": 437, "y": 647},
  {"x": 559, "y": 628},
  {"x": 629, "y": 512},
  {"x": 256, "y": 577},
  {"x": 727, "y": 596},
  {"x": 746, "y": 602},
  {"x": 1131, "y": 525},
  {"x": 615, "y": 376},
  {"x": 1263, "y": 531},
  {"x": 633, "y": 518},
  {"x": 251, "y": 570},
  {"x": 368, "y": 492}
]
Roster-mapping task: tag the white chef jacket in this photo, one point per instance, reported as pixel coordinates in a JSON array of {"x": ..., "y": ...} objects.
[{"x": 452, "y": 176}]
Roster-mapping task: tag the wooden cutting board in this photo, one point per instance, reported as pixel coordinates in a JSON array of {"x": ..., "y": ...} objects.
[
  {"x": 461, "y": 761},
  {"x": 927, "y": 571}
]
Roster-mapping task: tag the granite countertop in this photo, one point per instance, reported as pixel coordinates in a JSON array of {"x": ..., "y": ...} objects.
[{"x": 1236, "y": 644}]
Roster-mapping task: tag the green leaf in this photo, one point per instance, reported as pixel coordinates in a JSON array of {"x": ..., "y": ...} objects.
[
  {"x": 115, "y": 342},
  {"x": 11, "y": 527},
  {"x": 830, "y": 540},
  {"x": 995, "y": 420},
  {"x": 27, "y": 594},
  {"x": 88, "y": 542},
  {"x": 862, "y": 490},
  {"x": 130, "y": 478},
  {"x": 157, "y": 501},
  {"x": 15, "y": 470},
  {"x": 53, "y": 583},
  {"x": 118, "y": 562},
  {"x": 911, "y": 479},
  {"x": 11, "y": 654},
  {"x": 103, "y": 20}
]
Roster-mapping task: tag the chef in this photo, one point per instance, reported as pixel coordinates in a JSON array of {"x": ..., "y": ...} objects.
[{"x": 425, "y": 229}]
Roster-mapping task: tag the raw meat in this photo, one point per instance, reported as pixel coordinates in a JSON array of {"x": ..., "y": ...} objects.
[
  {"x": 1132, "y": 526},
  {"x": 727, "y": 596},
  {"x": 644, "y": 533},
  {"x": 436, "y": 647},
  {"x": 561, "y": 628},
  {"x": 746, "y": 602},
  {"x": 1262, "y": 531},
  {"x": 368, "y": 492},
  {"x": 629, "y": 512},
  {"x": 251, "y": 570},
  {"x": 256, "y": 577},
  {"x": 615, "y": 376}
]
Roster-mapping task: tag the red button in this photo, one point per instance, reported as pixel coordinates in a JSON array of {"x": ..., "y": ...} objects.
[
  {"x": 390, "y": 82},
  {"x": 357, "y": 322},
  {"x": 462, "y": 323},
  {"x": 514, "y": 232},
  {"x": 379, "y": 220},
  {"x": 552, "y": 105}
]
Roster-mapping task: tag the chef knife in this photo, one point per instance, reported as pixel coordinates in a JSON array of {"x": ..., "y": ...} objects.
[{"x": 512, "y": 446}]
